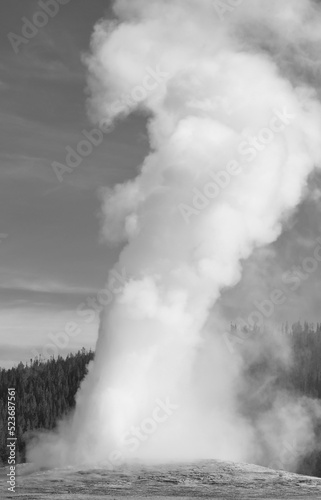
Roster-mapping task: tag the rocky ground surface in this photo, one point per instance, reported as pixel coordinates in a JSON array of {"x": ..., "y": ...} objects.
[{"x": 205, "y": 479}]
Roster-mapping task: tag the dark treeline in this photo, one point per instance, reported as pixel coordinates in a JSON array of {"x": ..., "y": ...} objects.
[
  {"x": 46, "y": 389},
  {"x": 305, "y": 376},
  {"x": 306, "y": 369},
  {"x": 288, "y": 365}
]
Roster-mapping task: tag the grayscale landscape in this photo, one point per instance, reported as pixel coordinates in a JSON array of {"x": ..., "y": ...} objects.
[
  {"x": 160, "y": 249},
  {"x": 204, "y": 479}
]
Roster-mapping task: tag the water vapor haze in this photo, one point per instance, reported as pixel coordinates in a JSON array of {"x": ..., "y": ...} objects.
[{"x": 234, "y": 126}]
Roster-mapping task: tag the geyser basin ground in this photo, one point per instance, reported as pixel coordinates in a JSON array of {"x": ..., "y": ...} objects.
[{"x": 202, "y": 479}]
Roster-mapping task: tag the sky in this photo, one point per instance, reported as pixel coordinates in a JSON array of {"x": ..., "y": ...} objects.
[{"x": 51, "y": 255}]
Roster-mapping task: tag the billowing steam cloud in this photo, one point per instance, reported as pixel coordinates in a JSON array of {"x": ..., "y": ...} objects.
[{"x": 234, "y": 127}]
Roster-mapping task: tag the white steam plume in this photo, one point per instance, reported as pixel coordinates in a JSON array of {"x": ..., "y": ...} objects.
[{"x": 182, "y": 249}]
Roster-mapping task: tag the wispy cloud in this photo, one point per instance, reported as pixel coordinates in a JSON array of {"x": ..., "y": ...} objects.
[{"x": 44, "y": 286}]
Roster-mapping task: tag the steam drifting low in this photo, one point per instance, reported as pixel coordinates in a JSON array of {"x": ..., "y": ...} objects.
[{"x": 234, "y": 126}]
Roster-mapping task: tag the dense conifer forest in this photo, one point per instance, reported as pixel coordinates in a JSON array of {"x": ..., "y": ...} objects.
[{"x": 46, "y": 389}]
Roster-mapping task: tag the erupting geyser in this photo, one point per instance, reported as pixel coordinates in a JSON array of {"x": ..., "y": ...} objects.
[{"x": 235, "y": 130}]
